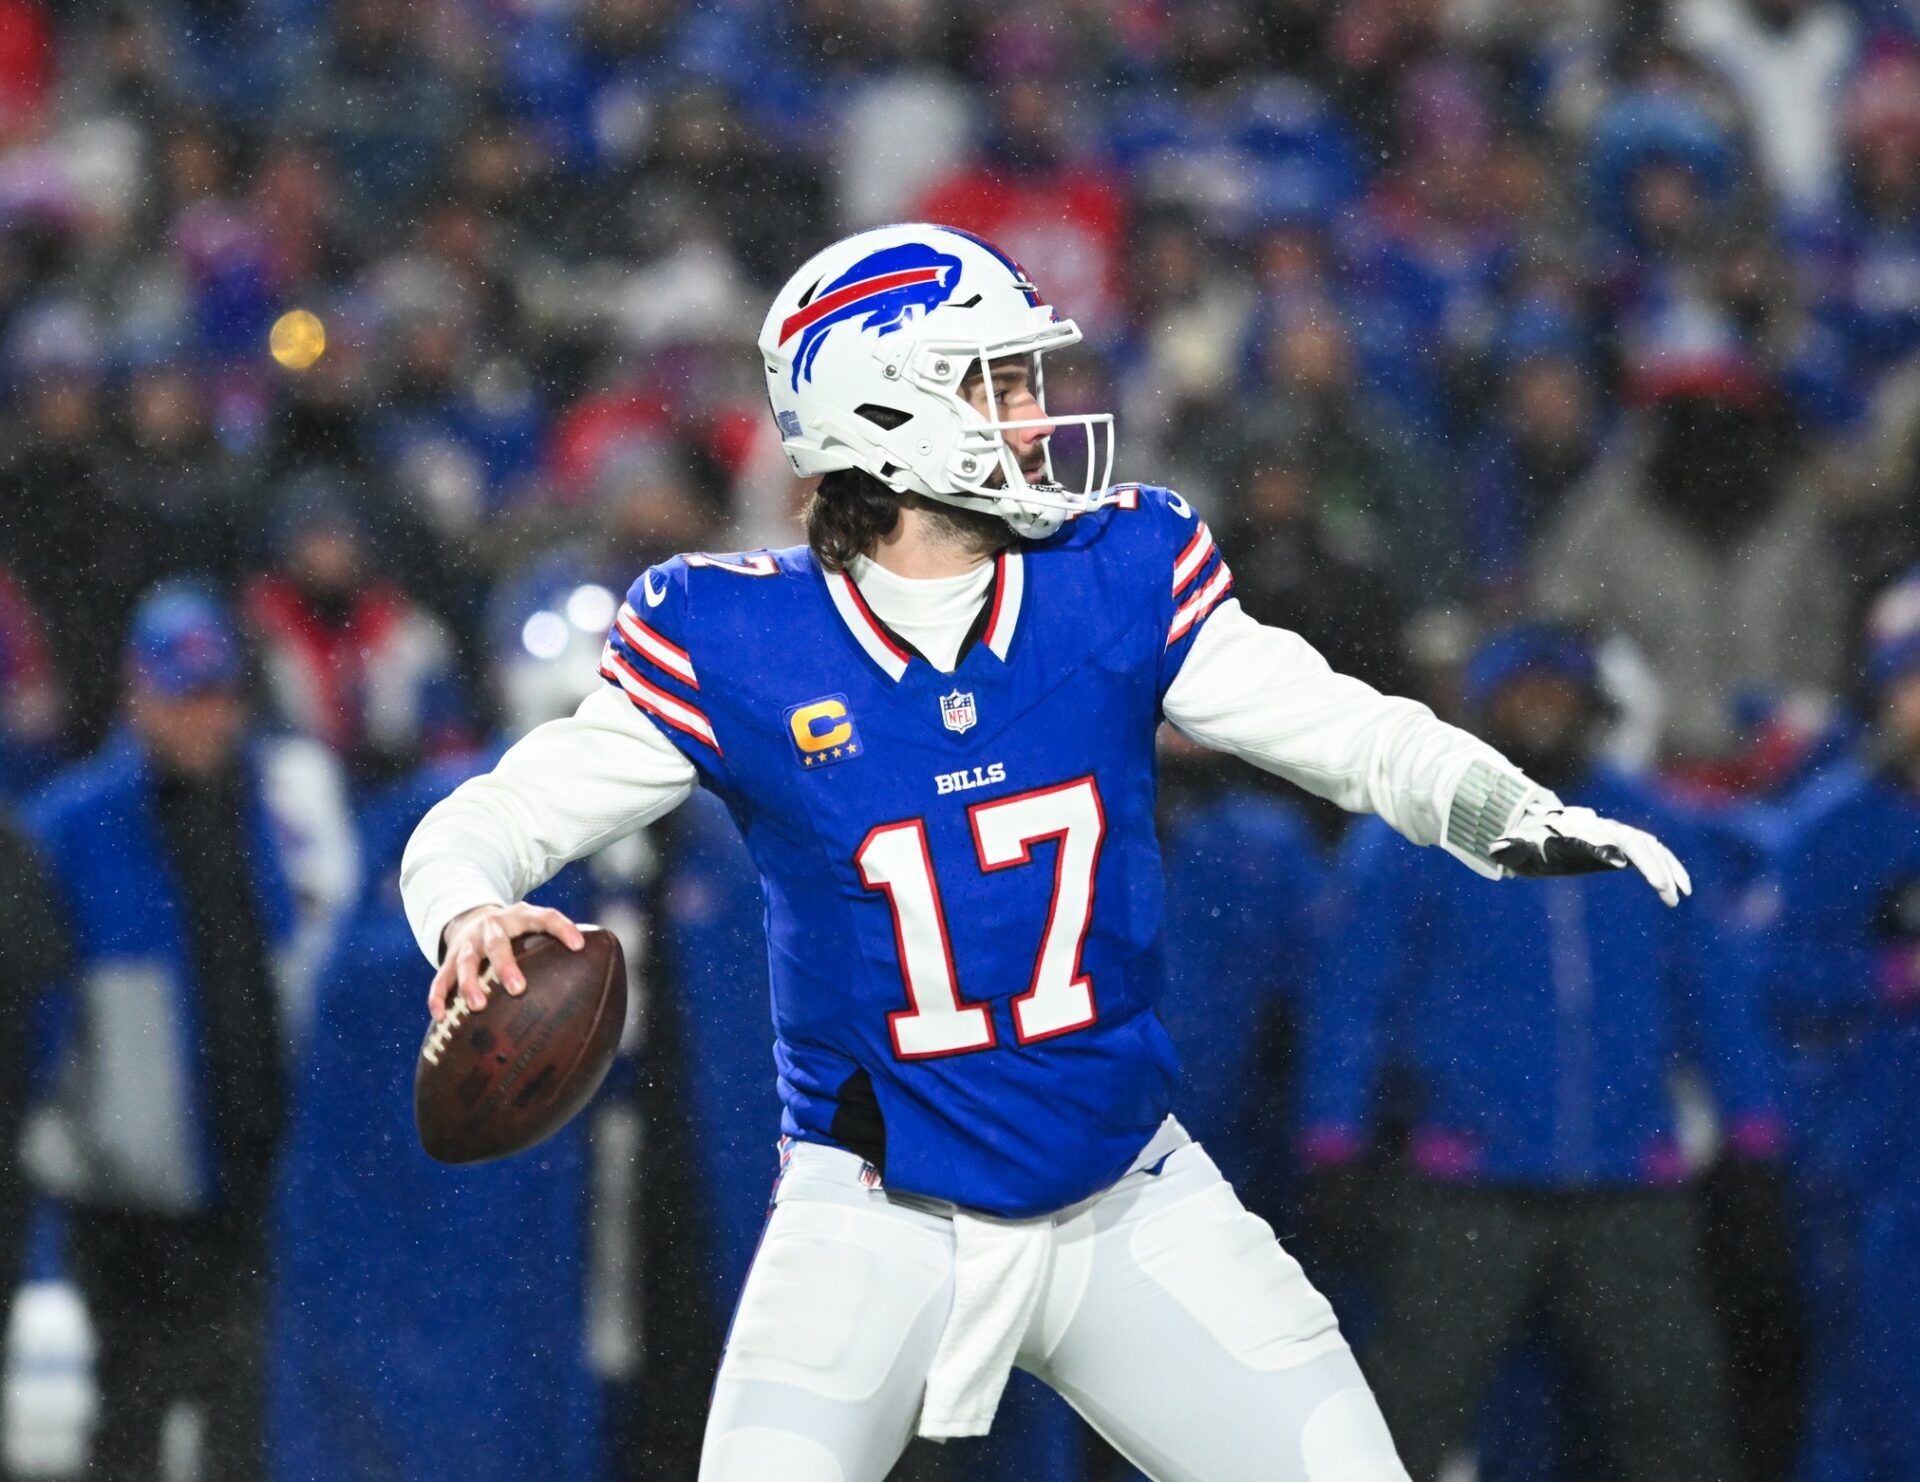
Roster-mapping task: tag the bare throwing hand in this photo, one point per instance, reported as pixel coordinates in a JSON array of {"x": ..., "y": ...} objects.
[{"x": 485, "y": 934}]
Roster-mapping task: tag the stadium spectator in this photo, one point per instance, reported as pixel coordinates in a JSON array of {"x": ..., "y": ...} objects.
[
  {"x": 457, "y": 424},
  {"x": 185, "y": 857},
  {"x": 74, "y": 550},
  {"x": 1536, "y": 444},
  {"x": 1844, "y": 980},
  {"x": 1786, "y": 61},
  {"x": 1244, "y": 878},
  {"x": 1378, "y": 486},
  {"x": 1698, "y": 536},
  {"x": 33, "y": 712},
  {"x": 165, "y": 468},
  {"x": 1295, "y": 567},
  {"x": 1437, "y": 235},
  {"x": 32, "y": 962},
  {"x": 1539, "y": 1029},
  {"x": 366, "y": 1332},
  {"x": 1034, "y": 191},
  {"x": 1237, "y": 148},
  {"x": 592, "y": 87},
  {"x": 707, "y": 163},
  {"x": 908, "y": 120},
  {"x": 350, "y": 660},
  {"x": 27, "y": 55},
  {"x": 385, "y": 101},
  {"x": 1662, "y": 167},
  {"x": 1858, "y": 261},
  {"x": 1880, "y": 531},
  {"x": 1187, "y": 352}
]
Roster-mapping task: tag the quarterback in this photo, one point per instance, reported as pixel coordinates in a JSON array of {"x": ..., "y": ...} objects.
[{"x": 934, "y": 726}]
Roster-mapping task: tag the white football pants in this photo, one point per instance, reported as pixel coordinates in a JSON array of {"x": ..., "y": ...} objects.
[{"x": 1170, "y": 1318}]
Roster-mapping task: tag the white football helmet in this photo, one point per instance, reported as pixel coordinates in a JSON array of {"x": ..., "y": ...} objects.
[{"x": 865, "y": 349}]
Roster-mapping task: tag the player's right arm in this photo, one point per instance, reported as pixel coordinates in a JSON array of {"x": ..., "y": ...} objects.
[{"x": 568, "y": 789}]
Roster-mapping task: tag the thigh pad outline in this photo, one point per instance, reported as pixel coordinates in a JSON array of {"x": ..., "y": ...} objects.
[
  {"x": 833, "y": 1296},
  {"x": 1227, "y": 1271}
]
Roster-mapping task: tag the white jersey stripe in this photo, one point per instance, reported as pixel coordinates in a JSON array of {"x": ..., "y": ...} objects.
[
  {"x": 1187, "y": 564},
  {"x": 669, "y": 656},
  {"x": 1199, "y": 605},
  {"x": 676, "y": 713},
  {"x": 1006, "y": 603},
  {"x": 840, "y": 588}
]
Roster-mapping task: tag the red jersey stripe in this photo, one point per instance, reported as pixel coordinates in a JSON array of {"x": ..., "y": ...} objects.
[
  {"x": 667, "y": 654},
  {"x": 657, "y": 702},
  {"x": 1200, "y": 604}
]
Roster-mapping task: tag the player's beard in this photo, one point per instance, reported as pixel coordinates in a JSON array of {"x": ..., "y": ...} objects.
[
  {"x": 976, "y": 531},
  {"x": 970, "y": 530}
]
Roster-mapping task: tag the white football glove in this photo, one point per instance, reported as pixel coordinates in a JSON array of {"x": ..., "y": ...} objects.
[{"x": 1546, "y": 838}]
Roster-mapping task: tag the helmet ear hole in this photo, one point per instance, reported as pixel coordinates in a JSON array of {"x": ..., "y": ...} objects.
[{"x": 885, "y": 418}]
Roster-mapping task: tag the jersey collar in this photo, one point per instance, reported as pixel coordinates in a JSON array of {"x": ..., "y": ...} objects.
[{"x": 893, "y": 654}]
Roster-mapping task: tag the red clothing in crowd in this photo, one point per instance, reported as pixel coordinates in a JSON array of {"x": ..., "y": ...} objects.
[{"x": 1067, "y": 226}]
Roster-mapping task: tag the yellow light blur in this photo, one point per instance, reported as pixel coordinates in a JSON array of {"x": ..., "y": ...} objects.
[{"x": 297, "y": 339}]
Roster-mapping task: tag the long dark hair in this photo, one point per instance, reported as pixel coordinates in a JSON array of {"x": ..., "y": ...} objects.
[{"x": 850, "y": 512}]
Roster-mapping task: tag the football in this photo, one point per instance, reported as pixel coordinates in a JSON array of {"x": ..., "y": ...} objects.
[{"x": 495, "y": 1081}]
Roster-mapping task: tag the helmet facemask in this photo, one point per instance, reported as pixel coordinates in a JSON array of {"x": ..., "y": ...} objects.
[{"x": 982, "y": 471}]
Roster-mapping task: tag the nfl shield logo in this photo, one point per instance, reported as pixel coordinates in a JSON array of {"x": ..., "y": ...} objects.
[{"x": 956, "y": 711}]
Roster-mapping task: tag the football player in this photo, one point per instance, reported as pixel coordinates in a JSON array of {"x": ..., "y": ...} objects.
[{"x": 934, "y": 726}]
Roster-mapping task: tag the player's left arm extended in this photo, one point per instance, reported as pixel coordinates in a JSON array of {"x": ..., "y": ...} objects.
[{"x": 1266, "y": 695}]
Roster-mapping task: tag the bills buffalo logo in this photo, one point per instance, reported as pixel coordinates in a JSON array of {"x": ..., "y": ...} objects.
[{"x": 885, "y": 290}]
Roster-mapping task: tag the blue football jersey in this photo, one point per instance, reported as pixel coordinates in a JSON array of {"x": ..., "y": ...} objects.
[{"x": 962, "y": 881}]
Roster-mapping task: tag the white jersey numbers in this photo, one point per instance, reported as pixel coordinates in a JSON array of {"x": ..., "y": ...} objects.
[
  {"x": 1060, "y": 996},
  {"x": 895, "y": 860},
  {"x": 756, "y": 564}
]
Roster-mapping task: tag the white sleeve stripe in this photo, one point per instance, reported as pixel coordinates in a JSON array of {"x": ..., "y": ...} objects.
[
  {"x": 1187, "y": 564},
  {"x": 676, "y": 713},
  {"x": 1199, "y": 604},
  {"x": 669, "y": 656}
]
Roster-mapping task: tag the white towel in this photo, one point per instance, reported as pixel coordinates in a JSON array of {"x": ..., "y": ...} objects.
[{"x": 999, "y": 1268}]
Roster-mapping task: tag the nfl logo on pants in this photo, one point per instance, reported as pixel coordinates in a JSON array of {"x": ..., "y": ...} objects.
[{"x": 956, "y": 711}]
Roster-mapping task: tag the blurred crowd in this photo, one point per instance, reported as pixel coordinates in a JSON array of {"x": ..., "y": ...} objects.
[{"x": 1556, "y": 361}]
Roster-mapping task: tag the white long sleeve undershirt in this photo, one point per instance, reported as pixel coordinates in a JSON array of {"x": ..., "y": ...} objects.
[{"x": 574, "y": 785}]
